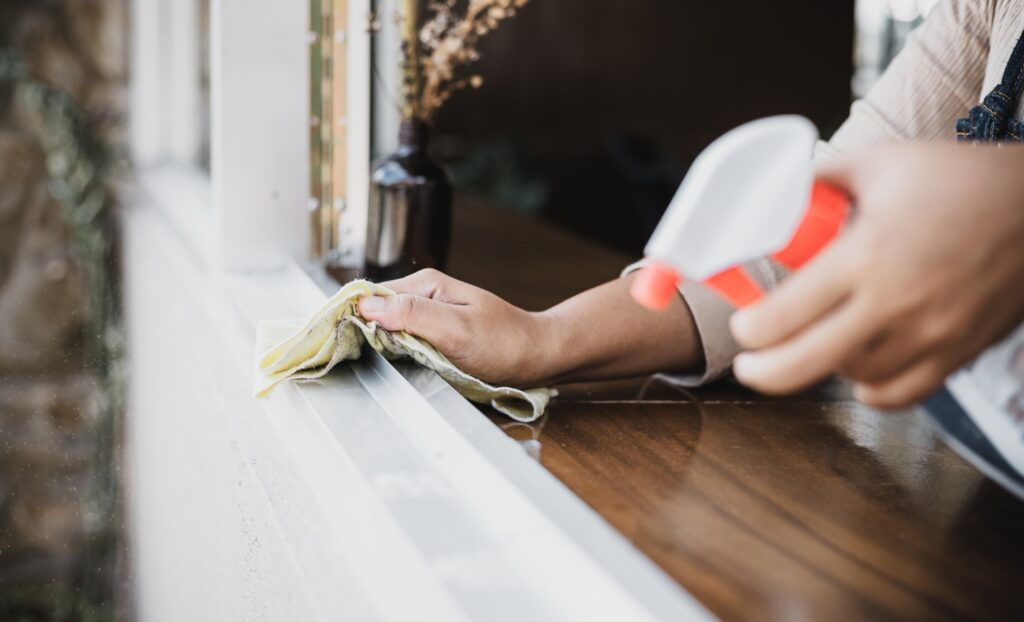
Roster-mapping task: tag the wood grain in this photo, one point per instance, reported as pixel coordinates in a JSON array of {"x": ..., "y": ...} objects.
[{"x": 811, "y": 507}]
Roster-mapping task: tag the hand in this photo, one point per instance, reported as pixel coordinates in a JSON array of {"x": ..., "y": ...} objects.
[
  {"x": 929, "y": 274},
  {"x": 478, "y": 331},
  {"x": 598, "y": 334}
]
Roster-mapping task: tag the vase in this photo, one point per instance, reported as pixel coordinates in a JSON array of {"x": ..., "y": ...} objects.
[{"x": 410, "y": 216}]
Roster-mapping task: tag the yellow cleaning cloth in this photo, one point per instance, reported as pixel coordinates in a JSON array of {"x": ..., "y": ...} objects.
[{"x": 305, "y": 351}]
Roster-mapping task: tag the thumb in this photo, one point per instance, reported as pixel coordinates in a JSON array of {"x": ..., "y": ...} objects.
[{"x": 416, "y": 315}]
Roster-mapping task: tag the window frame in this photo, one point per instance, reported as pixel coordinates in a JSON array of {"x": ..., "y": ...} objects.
[
  {"x": 444, "y": 517},
  {"x": 259, "y": 116}
]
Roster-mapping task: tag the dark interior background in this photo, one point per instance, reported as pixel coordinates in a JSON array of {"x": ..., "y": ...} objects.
[{"x": 591, "y": 112}]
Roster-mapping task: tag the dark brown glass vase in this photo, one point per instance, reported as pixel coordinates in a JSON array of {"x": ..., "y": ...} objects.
[{"x": 410, "y": 218}]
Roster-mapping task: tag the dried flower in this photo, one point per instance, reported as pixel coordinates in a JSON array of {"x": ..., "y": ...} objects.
[
  {"x": 372, "y": 23},
  {"x": 447, "y": 41}
]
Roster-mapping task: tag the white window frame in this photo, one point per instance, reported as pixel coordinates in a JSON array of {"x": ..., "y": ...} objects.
[
  {"x": 376, "y": 493},
  {"x": 166, "y": 93},
  {"x": 259, "y": 115}
]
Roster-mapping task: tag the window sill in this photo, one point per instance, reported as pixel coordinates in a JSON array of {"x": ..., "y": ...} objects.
[{"x": 378, "y": 491}]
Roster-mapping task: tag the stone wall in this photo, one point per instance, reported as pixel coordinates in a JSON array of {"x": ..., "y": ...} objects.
[{"x": 53, "y": 535}]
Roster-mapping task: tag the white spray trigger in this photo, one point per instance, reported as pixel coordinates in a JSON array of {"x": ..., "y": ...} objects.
[{"x": 742, "y": 199}]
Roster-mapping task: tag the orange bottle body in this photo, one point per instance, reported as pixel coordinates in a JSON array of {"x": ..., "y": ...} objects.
[{"x": 827, "y": 212}]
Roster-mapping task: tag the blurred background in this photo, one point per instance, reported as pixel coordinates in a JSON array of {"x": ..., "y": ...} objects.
[
  {"x": 589, "y": 116},
  {"x": 62, "y": 83},
  {"x": 591, "y": 113}
]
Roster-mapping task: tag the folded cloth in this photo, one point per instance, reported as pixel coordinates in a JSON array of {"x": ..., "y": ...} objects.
[{"x": 336, "y": 333}]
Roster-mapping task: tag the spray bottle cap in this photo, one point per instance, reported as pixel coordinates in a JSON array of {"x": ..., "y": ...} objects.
[{"x": 655, "y": 285}]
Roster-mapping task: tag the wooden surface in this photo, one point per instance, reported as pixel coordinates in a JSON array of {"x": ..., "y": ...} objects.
[{"x": 806, "y": 508}]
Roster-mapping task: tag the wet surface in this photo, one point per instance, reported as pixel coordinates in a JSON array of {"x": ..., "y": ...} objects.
[{"x": 806, "y": 507}]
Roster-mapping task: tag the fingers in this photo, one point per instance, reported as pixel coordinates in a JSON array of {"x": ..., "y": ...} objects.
[
  {"x": 908, "y": 388},
  {"x": 430, "y": 283},
  {"x": 437, "y": 322},
  {"x": 808, "y": 357},
  {"x": 893, "y": 354},
  {"x": 421, "y": 283},
  {"x": 803, "y": 298}
]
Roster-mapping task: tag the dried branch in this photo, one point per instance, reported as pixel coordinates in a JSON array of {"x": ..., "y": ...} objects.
[{"x": 447, "y": 42}]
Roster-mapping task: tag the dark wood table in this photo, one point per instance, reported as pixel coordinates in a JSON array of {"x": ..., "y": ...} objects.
[{"x": 812, "y": 507}]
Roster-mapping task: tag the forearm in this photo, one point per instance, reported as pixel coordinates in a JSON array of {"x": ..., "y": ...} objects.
[{"x": 603, "y": 334}]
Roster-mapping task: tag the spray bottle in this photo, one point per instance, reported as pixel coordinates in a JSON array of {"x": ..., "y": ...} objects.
[{"x": 750, "y": 194}]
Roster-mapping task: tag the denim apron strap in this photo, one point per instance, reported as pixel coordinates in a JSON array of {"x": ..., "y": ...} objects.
[{"x": 993, "y": 119}]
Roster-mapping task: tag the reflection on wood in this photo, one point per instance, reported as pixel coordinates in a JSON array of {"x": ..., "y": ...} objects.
[
  {"x": 812, "y": 507},
  {"x": 819, "y": 509}
]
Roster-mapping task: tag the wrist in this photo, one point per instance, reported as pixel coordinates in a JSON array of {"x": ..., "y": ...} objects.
[{"x": 547, "y": 357}]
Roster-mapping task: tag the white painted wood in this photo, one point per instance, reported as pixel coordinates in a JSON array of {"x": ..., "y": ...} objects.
[
  {"x": 147, "y": 77},
  {"x": 260, "y": 139},
  {"x": 387, "y": 85},
  {"x": 166, "y": 125},
  {"x": 350, "y": 498},
  {"x": 480, "y": 536},
  {"x": 606, "y": 548},
  {"x": 258, "y": 117},
  {"x": 359, "y": 76},
  {"x": 182, "y": 24},
  {"x": 183, "y": 195},
  {"x": 205, "y": 541}
]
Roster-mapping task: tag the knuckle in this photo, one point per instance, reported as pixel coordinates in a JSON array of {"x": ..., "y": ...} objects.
[
  {"x": 431, "y": 283},
  {"x": 430, "y": 275},
  {"x": 406, "y": 307},
  {"x": 933, "y": 330},
  {"x": 941, "y": 328}
]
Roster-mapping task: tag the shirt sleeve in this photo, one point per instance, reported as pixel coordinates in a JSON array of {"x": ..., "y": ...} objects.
[
  {"x": 711, "y": 315},
  {"x": 934, "y": 80}
]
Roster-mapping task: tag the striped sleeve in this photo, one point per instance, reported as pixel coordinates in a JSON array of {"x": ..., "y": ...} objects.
[{"x": 932, "y": 82}]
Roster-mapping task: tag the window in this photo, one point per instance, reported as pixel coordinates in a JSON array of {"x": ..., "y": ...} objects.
[
  {"x": 340, "y": 105},
  {"x": 378, "y": 492},
  {"x": 170, "y": 94},
  {"x": 222, "y": 95},
  {"x": 882, "y": 29}
]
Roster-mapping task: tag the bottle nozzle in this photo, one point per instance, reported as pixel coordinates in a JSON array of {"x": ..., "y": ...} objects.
[{"x": 654, "y": 286}]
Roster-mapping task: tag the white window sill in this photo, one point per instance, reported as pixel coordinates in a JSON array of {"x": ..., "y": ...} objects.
[{"x": 378, "y": 492}]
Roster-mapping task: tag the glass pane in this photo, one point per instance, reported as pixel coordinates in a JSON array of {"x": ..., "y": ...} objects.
[{"x": 61, "y": 385}]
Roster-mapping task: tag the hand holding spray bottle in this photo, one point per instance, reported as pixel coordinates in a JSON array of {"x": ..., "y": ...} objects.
[{"x": 750, "y": 194}]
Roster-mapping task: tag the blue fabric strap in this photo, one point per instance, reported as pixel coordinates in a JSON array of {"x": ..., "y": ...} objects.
[{"x": 993, "y": 119}]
